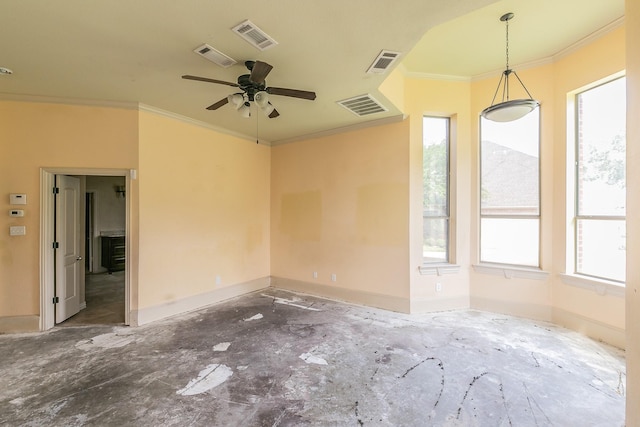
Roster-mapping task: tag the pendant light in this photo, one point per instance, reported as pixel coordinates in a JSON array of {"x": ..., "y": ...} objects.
[{"x": 508, "y": 110}]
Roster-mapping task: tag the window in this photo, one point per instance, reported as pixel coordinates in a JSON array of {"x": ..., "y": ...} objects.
[
  {"x": 435, "y": 179},
  {"x": 599, "y": 222},
  {"x": 510, "y": 191}
]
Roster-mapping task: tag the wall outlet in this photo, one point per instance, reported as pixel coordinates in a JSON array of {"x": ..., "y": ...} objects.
[
  {"x": 218, "y": 280},
  {"x": 333, "y": 277},
  {"x": 315, "y": 274},
  {"x": 438, "y": 287}
]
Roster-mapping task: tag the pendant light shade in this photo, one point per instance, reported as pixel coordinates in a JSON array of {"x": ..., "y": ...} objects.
[
  {"x": 261, "y": 98},
  {"x": 267, "y": 109},
  {"x": 245, "y": 110},
  {"x": 262, "y": 101},
  {"x": 508, "y": 110},
  {"x": 236, "y": 100}
]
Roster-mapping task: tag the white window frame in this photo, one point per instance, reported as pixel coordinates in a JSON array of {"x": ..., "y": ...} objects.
[
  {"x": 448, "y": 266},
  {"x": 600, "y": 285},
  {"x": 510, "y": 270}
]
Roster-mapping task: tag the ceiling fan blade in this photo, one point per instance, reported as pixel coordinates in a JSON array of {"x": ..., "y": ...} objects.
[
  {"x": 274, "y": 114},
  {"x": 260, "y": 71},
  {"x": 205, "y": 79},
  {"x": 223, "y": 101},
  {"x": 294, "y": 93}
]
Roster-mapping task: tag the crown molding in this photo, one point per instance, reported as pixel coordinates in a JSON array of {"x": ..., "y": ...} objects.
[
  {"x": 430, "y": 76},
  {"x": 523, "y": 66},
  {"x": 199, "y": 123},
  {"x": 519, "y": 67},
  {"x": 349, "y": 128},
  {"x": 589, "y": 39},
  {"x": 124, "y": 106},
  {"x": 68, "y": 101}
]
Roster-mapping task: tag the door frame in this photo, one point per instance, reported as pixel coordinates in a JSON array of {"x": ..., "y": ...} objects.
[
  {"x": 89, "y": 229},
  {"x": 47, "y": 261}
]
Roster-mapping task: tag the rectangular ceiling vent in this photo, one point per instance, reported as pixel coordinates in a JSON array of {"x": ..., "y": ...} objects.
[
  {"x": 215, "y": 56},
  {"x": 254, "y": 35},
  {"x": 383, "y": 61},
  {"x": 363, "y": 105}
]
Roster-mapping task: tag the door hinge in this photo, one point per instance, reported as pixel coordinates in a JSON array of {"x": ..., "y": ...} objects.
[
  {"x": 56, "y": 245},
  {"x": 56, "y": 190},
  {"x": 56, "y": 300}
]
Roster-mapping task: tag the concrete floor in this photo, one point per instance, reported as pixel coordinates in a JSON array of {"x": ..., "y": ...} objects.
[{"x": 274, "y": 358}]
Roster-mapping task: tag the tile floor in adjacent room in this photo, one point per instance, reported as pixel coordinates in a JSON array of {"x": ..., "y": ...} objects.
[
  {"x": 104, "y": 296},
  {"x": 274, "y": 358}
]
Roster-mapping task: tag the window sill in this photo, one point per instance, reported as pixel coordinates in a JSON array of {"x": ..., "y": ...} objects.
[
  {"x": 511, "y": 272},
  {"x": 599, "y": 286},
  {"x": 438, "y": 269}
]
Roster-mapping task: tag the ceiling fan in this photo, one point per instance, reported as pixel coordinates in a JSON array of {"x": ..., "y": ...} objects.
[{"x": 254, "y": 89}]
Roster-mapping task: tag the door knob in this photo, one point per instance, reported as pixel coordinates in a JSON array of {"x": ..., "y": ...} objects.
[{"x": 78, "y": 258}]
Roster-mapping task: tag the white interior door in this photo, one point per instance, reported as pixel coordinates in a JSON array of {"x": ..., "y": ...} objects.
[{"x": 68, "y": 255}]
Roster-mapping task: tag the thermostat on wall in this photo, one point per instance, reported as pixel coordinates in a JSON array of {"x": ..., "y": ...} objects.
[
  {"x": 16, "y": 212},
  {"x": 18, "y": 199}
]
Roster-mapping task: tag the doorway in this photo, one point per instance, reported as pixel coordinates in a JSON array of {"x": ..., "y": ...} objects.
[
  {"x": 105, "y": 209},
  {"x": 104, "y": 240}
]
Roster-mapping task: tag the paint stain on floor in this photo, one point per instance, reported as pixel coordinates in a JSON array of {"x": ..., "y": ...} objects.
[{"x": 210, "y": 377}]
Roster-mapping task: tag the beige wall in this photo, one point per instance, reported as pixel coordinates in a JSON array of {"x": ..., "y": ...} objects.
[
  {"x": 601, "y": 316},
  {"x": 340, "y": 206},
  {"x": 451, "y": 99},
  {"x": 36, "y": 135},
  {"x": 520, "y": 296},
  {"x": 203, "y": 213},
  {"x": 605, "y": 313},
  {"x": 204, "y": 205},
  {"x": 633, "y": 211}
]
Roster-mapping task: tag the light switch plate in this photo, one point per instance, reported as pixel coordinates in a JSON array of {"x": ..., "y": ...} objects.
[{"x": 17, "y": 230}]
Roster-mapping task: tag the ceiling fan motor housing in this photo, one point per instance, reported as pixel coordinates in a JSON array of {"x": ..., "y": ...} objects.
[{"x": 250, "y": 87}]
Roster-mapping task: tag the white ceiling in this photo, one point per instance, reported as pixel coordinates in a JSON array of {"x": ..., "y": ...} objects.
[{"x": 136, "y": 51}]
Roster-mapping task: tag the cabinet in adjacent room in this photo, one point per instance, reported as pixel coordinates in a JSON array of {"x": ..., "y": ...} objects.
[{"x": 113, "y": 257}]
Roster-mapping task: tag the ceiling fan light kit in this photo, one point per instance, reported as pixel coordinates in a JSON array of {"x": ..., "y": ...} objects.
[{"x": 508, "y": 110}]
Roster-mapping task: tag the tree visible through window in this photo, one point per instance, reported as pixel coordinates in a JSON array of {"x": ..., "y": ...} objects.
[
  {"x": 510, "y": 191},
  {"x": 435, "y": 180},
  {"x": 600, "y": 205}
]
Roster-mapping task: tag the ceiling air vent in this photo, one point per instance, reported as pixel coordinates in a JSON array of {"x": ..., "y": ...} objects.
[
  {"x": 383, "y": 62},
  {"x": 215, "y": 56},
  {"x": 362, "y": 105},
  {"x": 254, "y": 35}
]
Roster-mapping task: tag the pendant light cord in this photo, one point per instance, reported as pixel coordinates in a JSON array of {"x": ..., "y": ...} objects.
[
  {"x": 507, "y": 44},
  {"x": 507, "y": 71}
]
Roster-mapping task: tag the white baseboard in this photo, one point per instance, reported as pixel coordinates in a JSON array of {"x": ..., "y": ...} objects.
[
  {"x": 387, "y": 302},
  {"x": 195, "y": 302},
  {"x": 19, "y": 324},
  {"x": 528, "y": 311},
  {"x": 430, "y": 305},
  {"x": 592, "y": 328}
]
